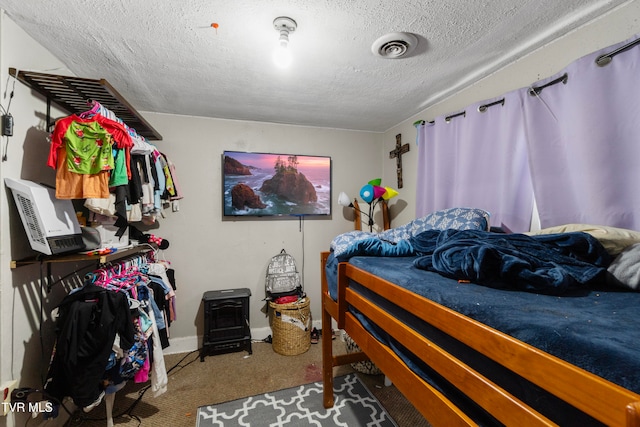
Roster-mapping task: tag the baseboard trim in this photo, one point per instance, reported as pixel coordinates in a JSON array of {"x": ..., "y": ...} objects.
[{"x": 192, "y": 343}]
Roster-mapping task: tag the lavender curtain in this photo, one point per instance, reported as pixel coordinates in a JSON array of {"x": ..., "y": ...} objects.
[
  {"x": 584, "y": 142},
  {"x": 575, "y": 144},
  {"x": 477, "y": 160}
]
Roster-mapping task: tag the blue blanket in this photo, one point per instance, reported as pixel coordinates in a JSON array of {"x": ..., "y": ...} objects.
[
  {"x": 550, "y": 264},
  {"x": 374, "y": 246}
]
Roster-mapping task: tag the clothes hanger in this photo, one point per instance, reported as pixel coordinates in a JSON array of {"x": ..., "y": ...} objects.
[{"x": 95, "y": 107}]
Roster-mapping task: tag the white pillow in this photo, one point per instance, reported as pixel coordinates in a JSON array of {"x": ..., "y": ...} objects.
[
  {"x": 625, "y": 268},
  {"x": 614, "y": 240}
]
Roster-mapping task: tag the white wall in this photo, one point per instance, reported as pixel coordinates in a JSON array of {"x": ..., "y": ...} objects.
[
  {"x": 616, "y": 26},
  {"x": 209, "y": 253},
  {"x": 20, "y": 354}
]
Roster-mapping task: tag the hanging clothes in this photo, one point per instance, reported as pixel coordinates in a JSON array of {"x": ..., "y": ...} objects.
[
  {"x": 107, "y": 332},
  {"x": 172, "y": 188},
  {"x": 71, "y": 185},
  {"x": 86, "y": 144},
  {"x": 86, "y": 328}
]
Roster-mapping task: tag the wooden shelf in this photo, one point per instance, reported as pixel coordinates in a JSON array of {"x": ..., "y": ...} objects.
[
  {"x": 79, "y": 257},
  {"x": 72, "y": 94}
]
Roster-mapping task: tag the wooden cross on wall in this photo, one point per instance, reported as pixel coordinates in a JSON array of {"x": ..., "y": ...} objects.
[{"x": 397, "y": 154}]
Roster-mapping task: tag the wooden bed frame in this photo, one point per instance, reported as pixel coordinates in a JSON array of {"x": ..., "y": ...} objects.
[{"x": 601, "y": 399}]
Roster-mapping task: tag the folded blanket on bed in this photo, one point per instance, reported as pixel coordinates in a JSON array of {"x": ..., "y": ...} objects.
[
  {"x": 367, "y": 244},
  {"x": 550, "y": 264}
]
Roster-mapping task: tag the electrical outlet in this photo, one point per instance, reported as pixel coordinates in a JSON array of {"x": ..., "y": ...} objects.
[{"x": 7, "y": 389}]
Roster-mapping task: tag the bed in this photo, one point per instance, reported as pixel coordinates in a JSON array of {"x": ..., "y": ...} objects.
[{"x": 473, "y": 352}]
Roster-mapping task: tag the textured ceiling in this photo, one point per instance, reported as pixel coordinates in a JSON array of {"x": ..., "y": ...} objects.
[{"x": 166, "y": 57}]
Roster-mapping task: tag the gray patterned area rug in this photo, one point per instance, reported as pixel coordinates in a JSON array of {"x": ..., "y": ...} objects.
[{"x": 301, "y": 406}]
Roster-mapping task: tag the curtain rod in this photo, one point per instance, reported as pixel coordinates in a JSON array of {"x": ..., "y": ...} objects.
[
  {"x": 482, "y": 108},
  {"x": 534, "y": 91},
  {"x": 452, "y": 116},
  {"x": 485, "y": 107},
  {"x": 601, "y": 61},
  {"x": 605, "y": 59}
]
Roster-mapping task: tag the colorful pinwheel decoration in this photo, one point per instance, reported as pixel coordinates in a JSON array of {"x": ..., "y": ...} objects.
[{"x": 372, "y": 193}]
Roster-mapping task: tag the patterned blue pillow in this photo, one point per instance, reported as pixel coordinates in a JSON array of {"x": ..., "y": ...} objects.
[
  {"x": 457, "y": 218},
  {"x": 342, "y": 242}
]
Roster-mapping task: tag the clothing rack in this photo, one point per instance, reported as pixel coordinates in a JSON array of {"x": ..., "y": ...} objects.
[
  {"x": 116, "y": 276},
  {"x": 123, "y": 275},
  {"x": 124, "y": 255},
  {"x": 136, "y": 260},
  {"x": 71, "y": 94},
  {"x": 98, "y": 108}
]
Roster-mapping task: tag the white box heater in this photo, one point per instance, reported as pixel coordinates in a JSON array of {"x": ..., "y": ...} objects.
[{"x": 51, "y": 224}]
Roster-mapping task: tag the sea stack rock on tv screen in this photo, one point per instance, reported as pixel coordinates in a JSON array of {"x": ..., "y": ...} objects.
[{"x": 271, "y": 184}]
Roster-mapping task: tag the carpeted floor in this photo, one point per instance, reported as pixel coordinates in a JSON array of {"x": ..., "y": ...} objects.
[{"x": 231, "y": 376}]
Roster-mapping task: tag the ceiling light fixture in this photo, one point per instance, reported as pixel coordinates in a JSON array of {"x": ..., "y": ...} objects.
[{"x": 282, "y": 54}]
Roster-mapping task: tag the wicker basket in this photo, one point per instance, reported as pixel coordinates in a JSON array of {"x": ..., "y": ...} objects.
[
  {"x": 365, "y": 366},
  {"x": 291, "y": 327}
]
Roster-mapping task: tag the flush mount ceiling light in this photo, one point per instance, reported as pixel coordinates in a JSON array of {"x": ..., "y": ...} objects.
[
  {"x": 282, "y": 55},
  {"x": 394, "y": 45}
]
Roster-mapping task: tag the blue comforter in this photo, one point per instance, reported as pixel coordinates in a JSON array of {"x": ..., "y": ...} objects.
[{"x": 551, "y": 264}]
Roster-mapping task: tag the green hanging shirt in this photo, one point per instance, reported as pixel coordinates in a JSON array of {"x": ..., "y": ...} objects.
[{"x": 88, "y": 147}]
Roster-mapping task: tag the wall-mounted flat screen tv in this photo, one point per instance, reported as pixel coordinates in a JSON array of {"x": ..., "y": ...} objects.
[{"x": 270, "y": 184}]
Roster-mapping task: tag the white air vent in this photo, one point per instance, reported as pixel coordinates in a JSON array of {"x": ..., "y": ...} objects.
[
  {"x": 31, "y": 220},
  {"x": 394, "y": 45}
]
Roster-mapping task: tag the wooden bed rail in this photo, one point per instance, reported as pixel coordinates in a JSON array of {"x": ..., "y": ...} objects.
[
  {"x": 429, "y": 401},
  {"x": 506, "y": 408},
  {"x": 591, "y": 394},
  {"x": 599, "y": 398}
]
